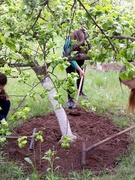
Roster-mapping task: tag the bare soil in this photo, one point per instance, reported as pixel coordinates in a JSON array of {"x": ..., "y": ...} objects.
[{"x": 89, "y": 127}]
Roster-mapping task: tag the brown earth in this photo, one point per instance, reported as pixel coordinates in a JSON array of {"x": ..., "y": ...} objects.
[{"x": 88, "y": 127}]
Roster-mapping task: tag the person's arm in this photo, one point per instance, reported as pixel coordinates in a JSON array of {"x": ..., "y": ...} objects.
[
  {"x": 73, "y": 63},
  {"x": 76, "y": 66},
  {"x": 80, "y": 71}
]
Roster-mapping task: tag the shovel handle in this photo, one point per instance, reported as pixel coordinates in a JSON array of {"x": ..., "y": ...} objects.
[{"x": 79, "y": 89}]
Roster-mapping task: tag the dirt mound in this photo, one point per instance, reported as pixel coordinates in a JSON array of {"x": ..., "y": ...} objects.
[
  {"x": 109, "y": 66},
  {"x": 89, "y": 128}
]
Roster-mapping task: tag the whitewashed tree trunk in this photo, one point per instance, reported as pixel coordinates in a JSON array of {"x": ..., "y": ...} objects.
[
  {"x": 99, "y": 66},
  {"x": 60, "y": 113}
]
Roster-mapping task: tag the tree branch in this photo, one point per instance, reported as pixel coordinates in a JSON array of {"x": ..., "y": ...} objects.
[
  {"x": 74, "y": 47},
  {"x": 78, "y": 57},
  {"x": 44, "y": 3},
  {"x": 39, "y": 13},
  {"x": 123, "y": 37},
  {"x": 97, "y": 25}
]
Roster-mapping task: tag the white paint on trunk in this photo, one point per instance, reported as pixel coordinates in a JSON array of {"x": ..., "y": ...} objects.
[
  {"x": 60, "y": 113},
  {"x": 99, "y": 66}
]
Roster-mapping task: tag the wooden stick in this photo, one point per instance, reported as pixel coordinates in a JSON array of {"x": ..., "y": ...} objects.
[
  {"x": 78, "y": 93},
  {"x": 83, "y": 155},
  {"x": 31, "y": 138},
  {"x": 14, "y": 137},
  {"x": 109, "y": 138},
  {"x": 90, "y": 148}
]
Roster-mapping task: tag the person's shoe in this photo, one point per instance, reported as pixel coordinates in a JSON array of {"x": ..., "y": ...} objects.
[
  {"x": 83, "y": 95},
  {"x": 70, "y": 103}
]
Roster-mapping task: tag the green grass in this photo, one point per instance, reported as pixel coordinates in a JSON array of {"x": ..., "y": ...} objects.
[
  {"x": 19, "y": 91},
  {"x": 105, "y": 97},
  {"x": 10, "y": 170},
  {"x": 104, "y": 91}
]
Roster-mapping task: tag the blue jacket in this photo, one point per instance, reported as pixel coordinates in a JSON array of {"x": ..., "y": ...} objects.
[{"x": 66, "y": 46}]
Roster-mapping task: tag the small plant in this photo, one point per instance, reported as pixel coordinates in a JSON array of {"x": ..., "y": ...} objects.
[
  {"x": 65, "y": 141},
  {"x": 39, "y": 137},
  {"x": 22, "y": 141},
  {"x": 85, "y": 104},
  {"x": 50, "y": 157},
  {"x": 85, "y": 175},
  {"x": 4, "y": 130},
  {"x": 35, "y": 173},
  {"x": 20, "y": 114}
]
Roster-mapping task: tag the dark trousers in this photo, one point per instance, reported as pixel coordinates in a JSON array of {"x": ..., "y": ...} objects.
[
  {"x": 5, "y": 106},
  {"x": 72, "y": 69}
]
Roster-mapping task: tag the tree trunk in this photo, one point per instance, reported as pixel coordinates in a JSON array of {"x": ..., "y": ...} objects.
[
  {"x": 60, "y": 113},
  {"x": 99, "y": 66}
]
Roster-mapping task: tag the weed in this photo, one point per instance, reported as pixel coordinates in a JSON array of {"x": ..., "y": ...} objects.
[{"x": 51, "y": 171}]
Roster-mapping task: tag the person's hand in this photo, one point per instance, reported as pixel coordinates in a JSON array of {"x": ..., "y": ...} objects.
[
  {"x": 81, "y": 72},
  {"x": 7, "y": 97}
]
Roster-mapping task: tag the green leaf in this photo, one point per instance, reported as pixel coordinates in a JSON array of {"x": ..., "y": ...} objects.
[
  {"x": 3, "y": 39},
  {"x": 129, "y": 72},
  {"x": 28, "y": 160},
  {"x": 11, "y": 45}
]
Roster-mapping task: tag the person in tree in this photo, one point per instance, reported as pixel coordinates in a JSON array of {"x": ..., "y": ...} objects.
[
  {"x": 130, "y": 83},
  {"x": 75, "y": 42},
  {"x": 4, "y": 98}
]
